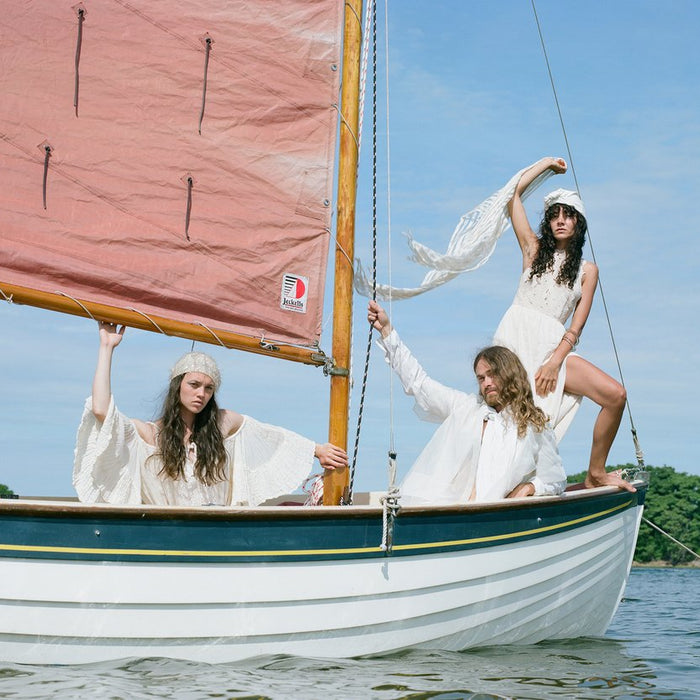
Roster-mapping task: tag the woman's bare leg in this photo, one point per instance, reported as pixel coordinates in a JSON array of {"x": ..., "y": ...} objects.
[{"x": 585, "y": 379}]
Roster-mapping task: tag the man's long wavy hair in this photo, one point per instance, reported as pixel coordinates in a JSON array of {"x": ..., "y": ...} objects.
[
  {"x": 210, "y": 467},
  {"x": 544, "y": 258},
  {"x": 516, "y": 394}
]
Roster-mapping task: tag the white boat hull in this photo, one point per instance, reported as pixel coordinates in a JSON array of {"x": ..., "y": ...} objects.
[{"x": 562, "y": 585}]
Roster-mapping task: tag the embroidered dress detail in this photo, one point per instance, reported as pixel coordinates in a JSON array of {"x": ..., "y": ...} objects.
[
  {"x": 113, "y": 464},
  {"x": 533, "y": 327}
]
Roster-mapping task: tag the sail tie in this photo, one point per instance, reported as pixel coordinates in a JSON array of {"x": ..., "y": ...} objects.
[
  {"x": 81, "y": 11},
  {"x": 347, "y": 126},
  {"x": 47, "y": 155},
  {"x": 78, "y": 302},
  {"x": 190, "y": 182},
  {"x": 8, "y": 299},
  {"x": 149, "y": 319},
  {"x": 213, "y": 334},
  {"x": 207, "y": 41}
]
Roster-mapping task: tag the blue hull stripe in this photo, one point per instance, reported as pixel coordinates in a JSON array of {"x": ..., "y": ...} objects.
[{"x": 414, "y": 528}]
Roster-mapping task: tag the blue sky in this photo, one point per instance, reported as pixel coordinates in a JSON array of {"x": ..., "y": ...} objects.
[{"x": 470, "y": 104}]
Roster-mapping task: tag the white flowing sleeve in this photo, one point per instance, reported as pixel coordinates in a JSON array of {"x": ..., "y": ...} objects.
[
  {"x": 471, "y": 245},
  {"x": 268, "y": 461},
  {"x": 434, "y": 401},
  {"x": 106, "y": 467},
  {"x": 550, "y": 478}
]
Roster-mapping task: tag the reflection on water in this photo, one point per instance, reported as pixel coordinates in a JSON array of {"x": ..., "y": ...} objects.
[{"x": 652, "y": 651}]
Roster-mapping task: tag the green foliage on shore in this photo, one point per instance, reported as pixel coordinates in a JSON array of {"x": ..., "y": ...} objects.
[
  {"x": 5, "y": 491},
  {"x": 673, "y": 504}
]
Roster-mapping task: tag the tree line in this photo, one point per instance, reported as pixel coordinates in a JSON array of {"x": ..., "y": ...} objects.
[{"x": 672, "y": 503}]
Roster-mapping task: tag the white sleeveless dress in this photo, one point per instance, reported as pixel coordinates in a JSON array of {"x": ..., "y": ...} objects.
[{"x": 533, "y": 327}]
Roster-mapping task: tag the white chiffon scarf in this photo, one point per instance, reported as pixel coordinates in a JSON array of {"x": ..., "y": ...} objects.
[{"x": 471, "y": 245}]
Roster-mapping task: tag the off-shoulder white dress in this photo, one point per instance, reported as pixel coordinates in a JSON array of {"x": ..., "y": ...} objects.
[
  {"x": 533, "y": 327},
  {"x": 113, "y": 464}
]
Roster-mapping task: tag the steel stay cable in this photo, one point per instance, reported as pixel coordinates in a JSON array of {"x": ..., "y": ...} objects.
[{"x": 638, "y": 451}]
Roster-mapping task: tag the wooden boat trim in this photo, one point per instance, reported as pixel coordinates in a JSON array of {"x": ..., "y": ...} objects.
[
  {"x": 180, "y": 329},
  {"x": 54, "y": 506},
  {"x": 138, "y": 533}
]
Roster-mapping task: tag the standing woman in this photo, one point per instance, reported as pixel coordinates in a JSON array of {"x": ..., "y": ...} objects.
[
  {"x": 195, "y": 454},
  {"x": 557, "y": 284}
]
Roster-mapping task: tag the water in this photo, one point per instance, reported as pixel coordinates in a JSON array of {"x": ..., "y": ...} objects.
[{"x": 651, "y": 651}]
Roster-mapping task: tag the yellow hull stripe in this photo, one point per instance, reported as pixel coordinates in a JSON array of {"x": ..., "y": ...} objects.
[{"x": 306, "y": 552}]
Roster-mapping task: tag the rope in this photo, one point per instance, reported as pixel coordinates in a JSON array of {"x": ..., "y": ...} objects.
[
  {"x": 638, "y": 451},
  {"x": 149, "y": 319},
  {"x": 79, "y": 303},
  {"x": 363, "y": 65},
  {"x": 347, "y": 500},
  {"x": 670, "y": 537},
  {"x": 392, "y": 450}
]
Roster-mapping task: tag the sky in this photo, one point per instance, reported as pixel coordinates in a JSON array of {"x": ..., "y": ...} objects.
[{"x": 469, "y": 104}]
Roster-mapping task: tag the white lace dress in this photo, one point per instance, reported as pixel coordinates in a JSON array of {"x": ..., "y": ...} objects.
[
  {"x": 533, "y": 327},
  {"x": 113, "y": 464}
]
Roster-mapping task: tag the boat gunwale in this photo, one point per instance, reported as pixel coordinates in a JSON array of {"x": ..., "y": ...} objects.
[{"x": 59, "y": 508}]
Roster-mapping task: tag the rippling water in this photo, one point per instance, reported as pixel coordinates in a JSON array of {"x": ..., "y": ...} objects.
[{"x": 651, "y": 651}]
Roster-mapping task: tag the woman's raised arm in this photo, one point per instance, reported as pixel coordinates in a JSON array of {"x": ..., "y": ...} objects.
[
  {"x": 527, "y": 238},
  {"x": 110, "y": 337}
]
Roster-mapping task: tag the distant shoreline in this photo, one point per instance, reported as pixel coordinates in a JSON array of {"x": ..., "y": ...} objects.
[{"x": 665, "y": 565}]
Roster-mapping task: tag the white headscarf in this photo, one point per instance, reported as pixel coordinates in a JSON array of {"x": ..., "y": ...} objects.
[
  {"x": 568, "y": 197},
  {"x": 197, "y": 362}
]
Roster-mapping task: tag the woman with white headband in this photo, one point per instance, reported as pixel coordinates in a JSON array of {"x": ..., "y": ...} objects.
[
  {"x": 558, "y": 284},
  {"x": 195, "y": 454}
]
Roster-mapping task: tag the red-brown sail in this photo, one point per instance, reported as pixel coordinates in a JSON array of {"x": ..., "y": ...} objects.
[{"x": 101, "y": 110}]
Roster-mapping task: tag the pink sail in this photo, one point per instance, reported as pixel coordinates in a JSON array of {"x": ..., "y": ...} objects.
[{"x": 135, "y": 208}]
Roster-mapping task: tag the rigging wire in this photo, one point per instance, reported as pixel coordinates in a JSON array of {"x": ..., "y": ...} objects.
[
  {"x": 670, "y": 537},
  {"x": 347, "y": 498},
  {"x": 638, "y": 451}
]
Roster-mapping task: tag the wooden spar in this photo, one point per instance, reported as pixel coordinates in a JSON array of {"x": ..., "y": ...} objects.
[
  {"x": 134, "y": 319},
  {"x": 336, "y": 481}
]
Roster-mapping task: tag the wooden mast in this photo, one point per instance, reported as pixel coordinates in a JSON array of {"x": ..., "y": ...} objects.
[{"x": 336, "y": 481}]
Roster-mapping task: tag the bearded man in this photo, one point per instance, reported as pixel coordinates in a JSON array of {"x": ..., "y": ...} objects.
[{"x": 491, "y": 445}]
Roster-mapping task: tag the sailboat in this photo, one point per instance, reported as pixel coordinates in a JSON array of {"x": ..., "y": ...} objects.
[{"x": 171, "y": 168}]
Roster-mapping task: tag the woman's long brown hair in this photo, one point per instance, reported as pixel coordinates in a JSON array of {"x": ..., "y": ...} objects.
[
  {"x": 544, "y": 258},
  {"x": 210, "y": 466}
]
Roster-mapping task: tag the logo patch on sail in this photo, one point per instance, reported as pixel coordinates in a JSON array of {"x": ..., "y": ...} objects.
[{"x": 295, "y": 292}]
